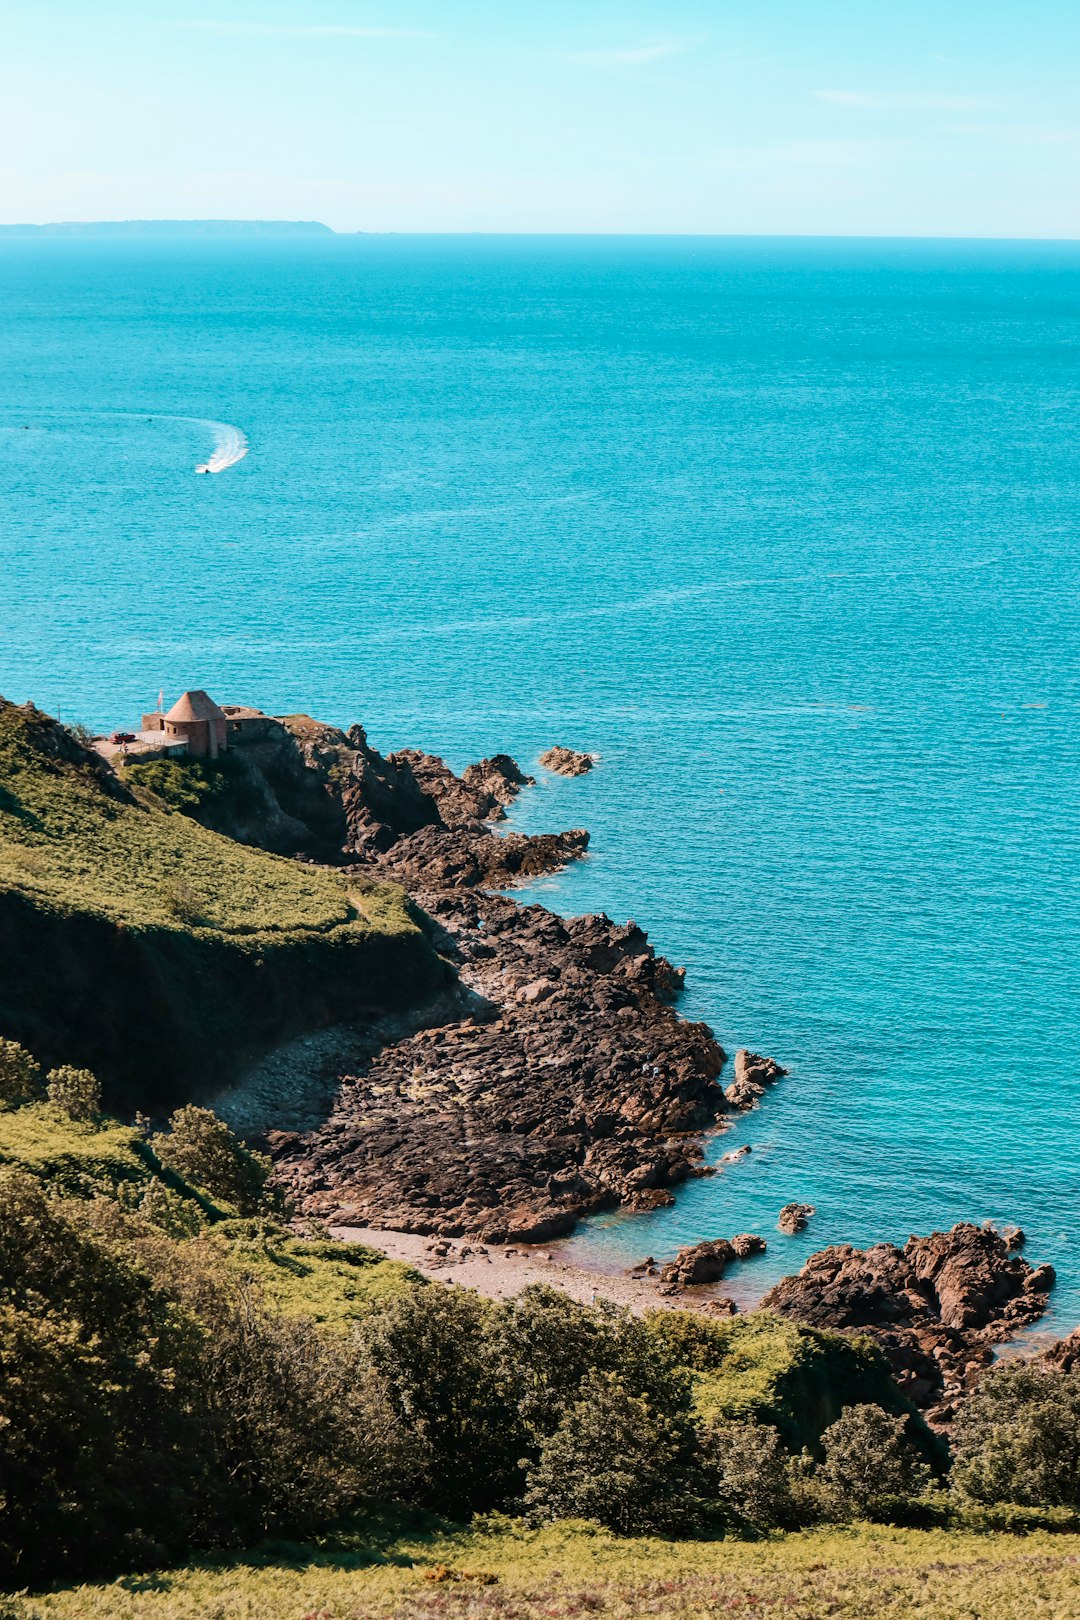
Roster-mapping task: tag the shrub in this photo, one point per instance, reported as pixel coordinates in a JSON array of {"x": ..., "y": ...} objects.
[
  {"x": 616, "y": 1459},
  {"x": 148, "y": 1401},
  {"x": 547, "y": 1343},
  {"x": 76, "y": 1091},
  {"x": 1017, "y": 1438},
  {"x": 162, "y": 1207},
  {"x": 868, "y": 1465},
  {"x": 432, "y": 1348},
  {"x": 201, "y": 1148},
  {"x": 748, "y": 1472},
  {"x": 20, "y": 1076},
  {"x": 304, "y": 1428},
  {"x": 182, "y": 784},
  {"x": 181, "y": 902},
  {"x": 99, "y": 1399}
]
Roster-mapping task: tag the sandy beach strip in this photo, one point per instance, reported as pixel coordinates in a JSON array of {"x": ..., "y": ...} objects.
[{"x": 501, "y": 1273}]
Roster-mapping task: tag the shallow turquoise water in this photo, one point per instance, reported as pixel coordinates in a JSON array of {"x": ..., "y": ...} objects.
[{"x": 787, "y": 531}]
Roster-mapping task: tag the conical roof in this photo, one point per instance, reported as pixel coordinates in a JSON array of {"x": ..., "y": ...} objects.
[{"x": 197, "y": 705}]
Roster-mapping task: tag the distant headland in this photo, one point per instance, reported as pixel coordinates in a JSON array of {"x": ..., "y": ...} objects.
[{"x": 173, "y": 227}]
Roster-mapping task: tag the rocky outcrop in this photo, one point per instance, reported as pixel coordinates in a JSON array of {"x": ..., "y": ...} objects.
[
  {"x": 473, "y": 857},
  {"x": 568, "y": 1085},
  {"x": 936, "y": 1306},
  {"x": 1064, "y": 1356},
  {"x": 565, "y": 1084},
  {"x": 565, "y": 762},
  {"x": 793, "y": 1218},
  {"x": 702, "y": 1263},
  {"x": 480, "y": 793},
  {"x": 753, "y": 1075},
  {"x": 299, "y": 787},
  {"x": 706, "y": 1262}
]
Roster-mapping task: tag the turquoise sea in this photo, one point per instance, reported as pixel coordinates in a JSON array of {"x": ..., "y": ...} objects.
[{"x": 787, "y": 531}]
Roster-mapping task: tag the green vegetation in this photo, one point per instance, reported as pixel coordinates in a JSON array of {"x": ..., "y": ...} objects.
[
  {"x": 75, "y": 1092},
  {"x": 75, "y": 837},
  {"x": 181, "y": 784},
  {"x": 76, "y": 1157},
  {"x": 1018, "y": 1438},
  {"x": 331, "y": 1282},
  {"x": 205, "y": 1152},
  {"x": 20, "y": 1077},
  {"x": 163, "y": 956},
  {"x": 175, "y": 1377},
  {"x": 389, "y": 1571},
  {"x": 767, "y": 1370}
]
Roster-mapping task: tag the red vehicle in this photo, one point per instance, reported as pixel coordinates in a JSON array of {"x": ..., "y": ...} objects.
[{"x": 123, "y": 737}]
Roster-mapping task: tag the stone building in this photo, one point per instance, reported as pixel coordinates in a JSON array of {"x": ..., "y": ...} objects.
[{"x": 194, "y": 720}]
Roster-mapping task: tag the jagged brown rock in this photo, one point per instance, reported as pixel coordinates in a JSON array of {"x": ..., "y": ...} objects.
[
  {"x": 793, "y": 1218},
  {"x": 567, "y": 1084},
  {"x": 936, "y": 1306},
  {"x": 706, "y": 1262},
  {"x": 753, "y": 1075},
  {"x": 566, "y": 761},
  {"x": 504, "y": 1125}
]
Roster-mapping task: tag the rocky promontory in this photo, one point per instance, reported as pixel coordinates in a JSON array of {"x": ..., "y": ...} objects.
[
  {"x": 568, "y": 1085},
  {"x": 937, "y": 1306},
  {"x": 558, "y": 1080}
]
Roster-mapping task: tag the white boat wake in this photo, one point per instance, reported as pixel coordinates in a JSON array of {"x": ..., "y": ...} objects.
[
  {"x": 230, "y": 443},
  {"x": 230, "y": 446}
]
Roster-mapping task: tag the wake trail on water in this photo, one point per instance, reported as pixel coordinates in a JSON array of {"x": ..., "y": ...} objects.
[{"x": 230, "y": 445}]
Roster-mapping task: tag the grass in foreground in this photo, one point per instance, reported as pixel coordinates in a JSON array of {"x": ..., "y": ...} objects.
[{"x": 508, "y": 1572}]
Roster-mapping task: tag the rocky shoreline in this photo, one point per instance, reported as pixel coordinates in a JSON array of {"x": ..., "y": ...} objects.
[
  {"x": 491, "y": 1123},
  {"x": 558, "y": 1080}
]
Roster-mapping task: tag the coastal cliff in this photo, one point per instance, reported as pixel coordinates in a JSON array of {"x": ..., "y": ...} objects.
[{"x": 161, "y": 955}]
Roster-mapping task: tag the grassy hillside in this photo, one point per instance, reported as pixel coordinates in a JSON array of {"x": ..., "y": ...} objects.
[
  {"x": 509, "y": 1572},
  {"x": 164, "y": 956},
  {"x": 764, "y": 1369}
]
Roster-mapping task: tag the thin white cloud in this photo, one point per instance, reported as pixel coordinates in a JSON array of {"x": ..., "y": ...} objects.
[
  {"x": 308, "y": 30},
  {"x": 629, "y": 58},
  {"x": 905, "y": 100}
]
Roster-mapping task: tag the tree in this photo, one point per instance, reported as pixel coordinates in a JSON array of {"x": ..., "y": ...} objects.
[
  {"x": 616, "y": 1459},
  {"x": 446, "y": 1382},
  {"x": 76, "y": 1091},
  {"x": 547, "y": 1343},
  {"x": 1017, "y": 1438},
  {"x": 868, "y": 1464},
  {"x": 749, "y": 1473},
  {"x": 20, "y": 1076},
  {"x": 303, "y": 1427},
  {"x": 179, "y": 1217},
  {"x": 201, "y": 1148},
  {"x": 100, "y": 1399}
]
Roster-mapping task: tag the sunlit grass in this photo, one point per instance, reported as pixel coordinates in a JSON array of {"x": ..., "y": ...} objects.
[
  {"x": 513, "y": 1573},
  {"x": 330, "y": 1281},
  {"x": 69, "y": 844}
]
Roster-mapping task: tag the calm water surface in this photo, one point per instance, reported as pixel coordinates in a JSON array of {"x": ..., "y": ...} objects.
[{"x": 787, "y": 531}]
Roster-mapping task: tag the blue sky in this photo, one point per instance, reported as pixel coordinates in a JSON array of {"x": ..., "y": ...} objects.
[{"x": 777, "y": 116}]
